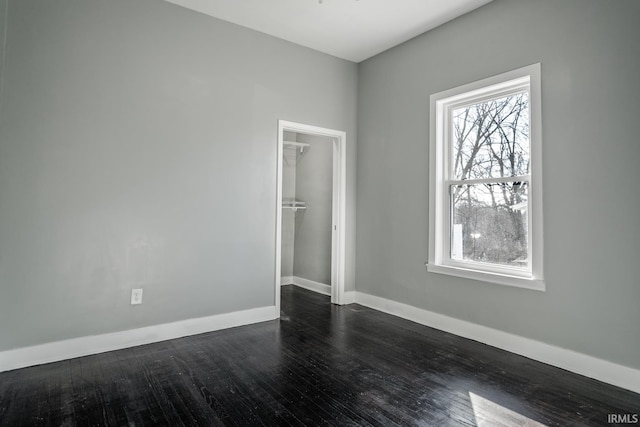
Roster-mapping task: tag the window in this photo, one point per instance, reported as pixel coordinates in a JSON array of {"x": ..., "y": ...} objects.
[{"x": 485, "y": 180}]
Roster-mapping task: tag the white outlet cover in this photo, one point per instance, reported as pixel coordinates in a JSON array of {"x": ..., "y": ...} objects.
[{"x": 136, "y": 296}]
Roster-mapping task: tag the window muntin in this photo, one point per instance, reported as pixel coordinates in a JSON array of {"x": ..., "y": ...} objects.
[{"x": 485, "y": 178}]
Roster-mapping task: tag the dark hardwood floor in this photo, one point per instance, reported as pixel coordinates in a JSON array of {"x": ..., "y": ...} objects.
[{"x": 318, "y": 365}]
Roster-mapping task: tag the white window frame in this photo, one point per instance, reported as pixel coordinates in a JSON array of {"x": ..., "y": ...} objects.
[{"x": 441, "y": 105}]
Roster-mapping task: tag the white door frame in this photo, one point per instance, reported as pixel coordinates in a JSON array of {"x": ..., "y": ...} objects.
[{"x": 338, "y": 239}]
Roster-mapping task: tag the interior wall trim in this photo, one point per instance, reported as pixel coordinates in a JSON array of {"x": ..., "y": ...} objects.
[
  {"x": 94, "y": 344},
  {"x": 350, "y": 297},
  {"x": 338, "y": 206},
  {"x": 579, "y": 363},
  {"x": 310, "y": 285}
]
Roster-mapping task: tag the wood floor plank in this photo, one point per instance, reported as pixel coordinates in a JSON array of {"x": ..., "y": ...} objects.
[{"x": 319, "y": 364}]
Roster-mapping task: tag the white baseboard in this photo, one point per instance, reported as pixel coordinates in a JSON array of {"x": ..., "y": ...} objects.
[
  {"x": 84, "y": 346},
  {"x": 286, "y": 280},
  {"x": 310, "y": 285},
  {"x": 350, "y": 297},
  {"x": 589, "y": 366}
]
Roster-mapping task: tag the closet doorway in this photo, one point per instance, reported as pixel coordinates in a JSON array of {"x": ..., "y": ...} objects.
[{"x": 311, "y": 211}]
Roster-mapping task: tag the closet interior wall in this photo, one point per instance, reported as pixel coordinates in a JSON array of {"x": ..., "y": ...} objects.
[
  {"x": 306, "y": 233},
  {"x": 288, "y": 215}
]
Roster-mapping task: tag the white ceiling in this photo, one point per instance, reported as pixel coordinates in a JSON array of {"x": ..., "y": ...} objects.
[{"x": 349, "y": 29}]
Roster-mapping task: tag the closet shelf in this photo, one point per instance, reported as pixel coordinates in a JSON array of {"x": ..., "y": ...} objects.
[
  {"x": 293, "y": 204},
  {"x": 296, "y": 145}
]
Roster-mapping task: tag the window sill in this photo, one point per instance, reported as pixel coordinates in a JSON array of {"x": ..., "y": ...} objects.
[{"x": 500, "y": 279}]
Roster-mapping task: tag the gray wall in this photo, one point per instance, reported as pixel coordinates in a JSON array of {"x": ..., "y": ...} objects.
[
  {"x": 138, "y": 148},
  {"x": 3, "y": 27},
  {"x": 590, "y": 61},
  {"x": 289, "y": 157},
  {"x": 314, "y": 186}
]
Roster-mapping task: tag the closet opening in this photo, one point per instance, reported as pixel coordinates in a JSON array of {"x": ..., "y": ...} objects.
[{"x": 310, "y": 216}]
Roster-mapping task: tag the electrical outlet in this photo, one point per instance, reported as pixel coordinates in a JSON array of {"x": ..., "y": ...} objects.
[{"x": 136, "y": 296}]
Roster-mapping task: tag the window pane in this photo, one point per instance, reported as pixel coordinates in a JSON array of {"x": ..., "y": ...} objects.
[
  {"x": 491, "y": 138},
  {"x": 489, "y": 223}
]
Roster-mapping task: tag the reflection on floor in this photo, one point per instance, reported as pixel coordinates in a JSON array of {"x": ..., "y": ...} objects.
[{"x": 488, "y": 413}]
